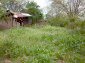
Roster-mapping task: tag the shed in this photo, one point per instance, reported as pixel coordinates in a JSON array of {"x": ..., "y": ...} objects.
[{"x": 22, "y": 18}]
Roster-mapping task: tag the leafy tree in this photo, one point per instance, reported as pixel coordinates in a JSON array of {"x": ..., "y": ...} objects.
[
  {"x": 33, "y": 9},
  {"x": 3, "y": 14}
]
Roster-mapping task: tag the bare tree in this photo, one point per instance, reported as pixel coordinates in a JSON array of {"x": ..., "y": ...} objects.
[
  {"x": 14, "y": 5},
  {"x": 70, "y": 7}
]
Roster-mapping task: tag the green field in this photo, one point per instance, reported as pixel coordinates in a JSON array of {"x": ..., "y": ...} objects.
[{"x": 45, "y": 44}]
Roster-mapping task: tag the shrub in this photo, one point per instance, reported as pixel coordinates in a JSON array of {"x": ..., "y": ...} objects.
[
  {"x": 73, "y": 23},
  {"x": 58, "y": 21},
  {"x": 77, "y": 26}
]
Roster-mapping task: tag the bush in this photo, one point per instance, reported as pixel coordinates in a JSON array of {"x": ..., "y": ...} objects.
[
  {"x": 58, "y": 21},
  {"x": 33, "y": 9},
  {"x": 73, "y": 23},
  {"x": 78, "y": 26}
]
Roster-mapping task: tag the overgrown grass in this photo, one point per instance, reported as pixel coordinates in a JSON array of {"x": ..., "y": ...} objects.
[
  {"x": 42, "y": 45},
  {"x": 74, "y": 23}
]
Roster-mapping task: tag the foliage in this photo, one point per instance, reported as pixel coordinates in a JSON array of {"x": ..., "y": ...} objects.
[
  {"x": 73, "y": 23},
  {"x": 43, "y": 45},
  {"x": 3, "y": 15},
  {"x": 16, "y": 6},
  {"x": 78, "y": 26},
  {"x": 73, "y": 9},
  {"x": 33, "y": 9},
  {"x": 12, "y": 5},
  {"x": 58, "y": 21}
]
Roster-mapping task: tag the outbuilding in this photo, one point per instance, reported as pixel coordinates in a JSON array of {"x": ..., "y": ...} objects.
[{"x": 21, "y": 18}]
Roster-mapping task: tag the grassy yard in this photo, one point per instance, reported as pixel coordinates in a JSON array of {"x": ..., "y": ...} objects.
[{"x": 45, "y": 44}]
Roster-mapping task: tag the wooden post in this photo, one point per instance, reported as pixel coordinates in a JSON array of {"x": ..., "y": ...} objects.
[
  {"x": 20, "y": 21},
  {"x": 12, "y": 21}
]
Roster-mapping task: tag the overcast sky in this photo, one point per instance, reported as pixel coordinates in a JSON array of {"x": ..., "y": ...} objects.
[{"x": 43, "y": 4}]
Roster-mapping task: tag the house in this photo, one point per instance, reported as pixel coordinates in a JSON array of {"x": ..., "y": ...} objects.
[{"x": 21, "y": 18}]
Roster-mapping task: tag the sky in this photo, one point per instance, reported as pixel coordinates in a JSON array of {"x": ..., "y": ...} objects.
[{"x": 43, "y": 4}]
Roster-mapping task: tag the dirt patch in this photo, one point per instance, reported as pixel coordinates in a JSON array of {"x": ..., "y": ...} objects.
[{"x": 5, "y": 61}]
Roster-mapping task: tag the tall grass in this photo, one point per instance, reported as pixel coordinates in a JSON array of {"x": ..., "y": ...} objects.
[
  {"x": 48, "y": 44},
  {"x": 74, "y": 23}
]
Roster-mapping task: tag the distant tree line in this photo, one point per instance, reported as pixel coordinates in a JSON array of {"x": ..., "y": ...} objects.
[{"x": 67, "y": 13}]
